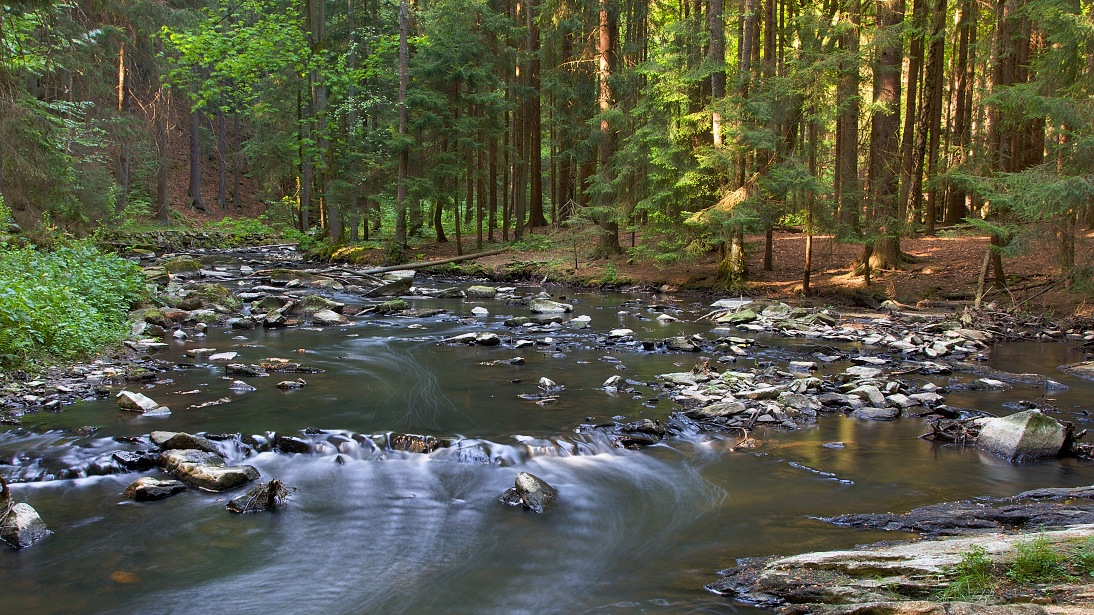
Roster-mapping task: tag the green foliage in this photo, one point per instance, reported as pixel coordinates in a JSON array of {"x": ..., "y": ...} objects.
[
  {"x": 972, "y": 578},
  {"x": 533, "y": 243},
  {"x": 68, "y": 302},
  {"x": 1038, "y": 561},
  {"x": 611, "y": 275}
]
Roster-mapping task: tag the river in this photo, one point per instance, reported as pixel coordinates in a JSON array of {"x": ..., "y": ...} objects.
[{"x": 375, "y": 531}]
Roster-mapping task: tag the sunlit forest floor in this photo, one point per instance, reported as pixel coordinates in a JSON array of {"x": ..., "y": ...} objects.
[{"x": 942, "y": 271}]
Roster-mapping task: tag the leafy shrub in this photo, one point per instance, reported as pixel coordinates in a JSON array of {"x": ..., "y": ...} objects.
[{"x": 71, "y": 301}]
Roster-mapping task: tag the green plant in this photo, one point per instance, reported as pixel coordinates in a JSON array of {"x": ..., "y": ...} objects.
[
  {"x": 1037, "y": 561},
  {"x": 533, "y": 243},
  {"x": 71, "y": 301},
  {"x": 611, "y": 275},
  {"x": 972, "y": 577},
  {"x": 1084, "y": 557}
]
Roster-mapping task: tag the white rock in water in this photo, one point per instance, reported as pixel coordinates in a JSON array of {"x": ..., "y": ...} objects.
[
  {"x": 1028, "y": 434},
  {"x": 619, "y": 333},
  {"x": 667, "y": 318},
  {"x": 136, "y": 402},
  {"x": 223, "y": 356},
  {"x": 480, "y": 311},
  {"x": 23, "y": 527},
  {"x": 239, "y": 385}
]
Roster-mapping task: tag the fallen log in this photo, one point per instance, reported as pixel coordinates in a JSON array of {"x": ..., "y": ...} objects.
[{"x": 443, "y": 261}]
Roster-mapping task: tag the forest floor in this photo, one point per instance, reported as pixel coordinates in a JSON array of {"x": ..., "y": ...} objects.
[{"x": 941, "y": 272}]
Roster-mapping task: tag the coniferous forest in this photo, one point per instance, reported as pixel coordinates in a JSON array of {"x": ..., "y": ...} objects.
[{"x": 690, "y": 123}]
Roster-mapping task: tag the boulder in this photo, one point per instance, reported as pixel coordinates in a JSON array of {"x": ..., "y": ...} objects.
[
  {"x": 169, "y": 440},
  {"x": 531, "y": 492},
  {"x": 328, "y": 318},
  {"x": 136, "y": 402},
  {"x": 547, "y": 306},
  {"x": 481, "y": 292},
  {"x": 871, "y": 394},
  {"x": 1024, "y": 435},
  {"x": 738, "y": 318},
  {"x": 877, "y": 414},
  {"x": 681, "y": 344},
  {"x": 478, "y": 310},
  {"x": 22, "y": 527},
  {"x": 486, "y": 338},
  {"x": 147, "y": 489},
  {"x": 206, "y": 470},
  {"x": 394, "y": 283}
]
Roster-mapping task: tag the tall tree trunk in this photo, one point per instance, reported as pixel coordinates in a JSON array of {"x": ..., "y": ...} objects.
[
  {"x": 915, "y": 74},
  {"x": 933, "y": 90},
  {"x": 404, "y": 150},
  {"x": 194, "y": 190},
  {"x": 535, "y": 133},
  {"x": 163, "y": 153},
  {"x": 609, "y": 228},
  {"x": 848, "y": 190},
  {"x": 491, "y": 221},
  {"x": 964, "y": 77},
  {"x": 237, "y": 162},
  {"x": 222, "y": 156},
  {"x": 123, "y": 172},
  {"x": 884, "y": 250},
  {"x": 718, "y": 59}
]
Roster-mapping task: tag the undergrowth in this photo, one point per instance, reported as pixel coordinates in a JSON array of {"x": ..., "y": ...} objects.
[{"x": 71, "y": 301}]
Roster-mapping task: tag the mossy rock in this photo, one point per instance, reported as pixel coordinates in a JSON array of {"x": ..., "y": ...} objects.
[
  {"x": 219, "y": 295},
  {"x": 395, "y": 305},
  {"x": 178, "y": 264}
]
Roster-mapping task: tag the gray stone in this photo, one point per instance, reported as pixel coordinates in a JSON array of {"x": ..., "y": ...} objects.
[
  {"x": 531, "y": 492},
  {"x": 799, "y": 402},
  {"x": 869, "y": 393},
  {"x": 394, "y": 283},
  {"x": 719, "y": 409},
  {"x": 22, "y": 526},
  {"x": 136, "y": 402},
  {"x": 618, "y": 334},
  {"x": 738, "y": 318},
  {"x": 487, "y": 339},
  {"x": 481, "y": 292},
  {"x": 762, "y": 393},
  {"x": 168, "y": 440},
  {"x": 478, "y": 310},
  {"x": 146, "y": 489},
  {"x": 681, "y": 344},
  {"x": 1028, "y": 434},
  {"x": 862, "y": 372},
  {"x": 547, "y": 306},
  {"x": 329, "y": 318},
  {"x": 876, "y": 414}
]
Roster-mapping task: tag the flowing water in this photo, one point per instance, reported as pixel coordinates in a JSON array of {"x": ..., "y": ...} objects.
[{"x": 377, "y": 531}]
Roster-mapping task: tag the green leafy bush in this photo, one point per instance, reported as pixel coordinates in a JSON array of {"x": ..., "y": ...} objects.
[{"x": 71, "y": 301}]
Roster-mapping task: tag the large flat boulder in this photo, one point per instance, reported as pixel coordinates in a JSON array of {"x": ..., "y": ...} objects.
[{"x": 1023, "y": 435}]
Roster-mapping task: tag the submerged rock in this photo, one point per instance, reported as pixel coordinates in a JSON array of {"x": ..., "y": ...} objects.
[
  {"x": 1028, "y": 434},
  {"x": 147, "y": 489},
  {"x": 531, "y": 492}
]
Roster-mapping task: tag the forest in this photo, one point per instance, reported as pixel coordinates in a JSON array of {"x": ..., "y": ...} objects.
[{"x": 685, "y": 123}]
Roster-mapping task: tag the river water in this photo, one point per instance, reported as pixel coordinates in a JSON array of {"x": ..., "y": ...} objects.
[{"x": 374, "y": 531}]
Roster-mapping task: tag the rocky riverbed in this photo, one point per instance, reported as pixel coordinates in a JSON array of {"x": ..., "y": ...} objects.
[{"x": 873, "y": 367}]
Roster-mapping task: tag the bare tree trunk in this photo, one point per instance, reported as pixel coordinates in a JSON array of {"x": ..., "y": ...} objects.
[
  {"x": 956, "y": 208},
  {"x": 933, "y": 91},
  {"x": 163, "y": 163},
  {"x": 222, "y": 156},
  {"x": 123, "y": 173},
  {"x": 907, "y": 143},
  {"x": 884, "y": 250},
  {"x": 718, "y": 59},
  {"x": 609, "y": 228},
  {"x": 535, "y": 134},
  {"x": 848, "y": 190},
  {"x": 195, "y": 161},
  {"x": 404, "y": 152}
]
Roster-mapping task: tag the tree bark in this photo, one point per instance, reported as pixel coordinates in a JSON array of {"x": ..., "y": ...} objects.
[
  {"x": 883, "y": 250},
  {"x": 535, "y": 134},
  {"x": 195, "y": 161},
  {"x": 404, "y": 151},
  {"x": 609, "y": 228},
  {"x": 848, "y": 190}
]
